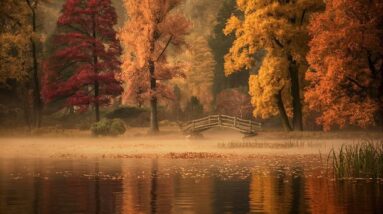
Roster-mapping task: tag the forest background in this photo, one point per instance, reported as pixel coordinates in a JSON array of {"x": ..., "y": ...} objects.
[{"x": 221, "y": 71}]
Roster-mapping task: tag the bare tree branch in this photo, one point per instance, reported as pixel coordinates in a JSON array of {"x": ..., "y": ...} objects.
[
  {"x": 303, "y": 16},
  {"x": 356, "y": 83},
  {"x": 166, "y": 46},
  {"x": 78, "y": 29}
]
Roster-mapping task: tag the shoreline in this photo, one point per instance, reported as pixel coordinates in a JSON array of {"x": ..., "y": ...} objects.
[{"x": 216, "y": 144}]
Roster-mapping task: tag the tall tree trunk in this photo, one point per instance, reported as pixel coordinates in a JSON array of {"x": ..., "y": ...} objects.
[
  {"x": 380, "y": 97},
  {"x": 153, "y": 84},
  {"x": 282, "y": 112},
  {"x": 95, "y": 62},
  {"x": 295, "y": 93},
  {"x": 96, "y": 104},
  {"x": 153, "y": 99},
  {"x": 37, "y": 103},
  {"x": 23, "y": 95}
]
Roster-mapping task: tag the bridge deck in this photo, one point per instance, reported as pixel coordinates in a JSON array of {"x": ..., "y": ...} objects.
[{"x": 203, "y": 124}]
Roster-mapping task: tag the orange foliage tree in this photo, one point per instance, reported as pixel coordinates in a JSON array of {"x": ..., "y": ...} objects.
[
  {"x": 152, "y": 27},
  {"x": 346, "y": 58}
]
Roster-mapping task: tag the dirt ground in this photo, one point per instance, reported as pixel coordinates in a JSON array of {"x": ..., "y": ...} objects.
[{"x": 136, "y": 143}]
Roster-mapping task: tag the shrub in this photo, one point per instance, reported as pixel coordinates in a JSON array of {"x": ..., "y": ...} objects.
[
  {"x": 117, "y": 127},
  {"x": 108, "y": 127}
]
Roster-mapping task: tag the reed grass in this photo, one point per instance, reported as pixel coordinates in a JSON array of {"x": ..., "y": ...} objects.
[{"x": 361, "y": 160}]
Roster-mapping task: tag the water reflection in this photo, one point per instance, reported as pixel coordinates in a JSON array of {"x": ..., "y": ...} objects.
[
  {"x": 176, "y": 186},
  {"x": 352, "y": 197},
  {"x": 231, "y": 195},
  {"x": 278, "y": 192}
]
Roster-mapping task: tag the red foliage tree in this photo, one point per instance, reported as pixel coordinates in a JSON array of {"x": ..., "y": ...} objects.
[
  {"x": 346, "y": 59},
  {"x": 84, "y": 66},
  {"x": 233, "y": 102}
]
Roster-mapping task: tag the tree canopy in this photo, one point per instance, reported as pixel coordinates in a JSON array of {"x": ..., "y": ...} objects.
[
  {"x": 346, "y": 63},
  {"x": 14, "y": 31},
  {"x": 276, "y": 29},
  {"x": 84, "y": 66},
  {"x": 152, "y": 26}
]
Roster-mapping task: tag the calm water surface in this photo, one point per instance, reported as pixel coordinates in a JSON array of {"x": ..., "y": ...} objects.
[{"x": 179, "y": 186}]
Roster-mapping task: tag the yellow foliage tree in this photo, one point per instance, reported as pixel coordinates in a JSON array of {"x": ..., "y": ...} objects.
[
  {"x": 19, "y": 48},
  {"x": 277, "y": 28},
  {"x": 198, "y": 56},
  {"x": 199, "y": 73}
]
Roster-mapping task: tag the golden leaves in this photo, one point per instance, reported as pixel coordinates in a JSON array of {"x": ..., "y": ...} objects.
[
  {"x": 12, "y": 54},
  {"x": 277, "y": 28},
  {"x": 199, "y": 71},
  {"x": 232, "y": 24},
  {"x": 272, "y": 77},
  {"x": 14, "y": 40}
]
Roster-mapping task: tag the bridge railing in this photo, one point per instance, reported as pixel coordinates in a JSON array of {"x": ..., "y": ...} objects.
[{"x": 221, "y": 120}]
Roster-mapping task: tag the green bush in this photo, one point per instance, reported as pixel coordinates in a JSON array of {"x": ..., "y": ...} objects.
[{"x": 107, "y": 127}]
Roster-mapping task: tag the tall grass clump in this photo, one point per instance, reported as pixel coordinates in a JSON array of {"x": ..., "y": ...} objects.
[{"x": 361, "y": 160}]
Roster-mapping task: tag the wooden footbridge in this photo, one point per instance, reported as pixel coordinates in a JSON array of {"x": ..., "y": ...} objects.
[{"x": 247, "y": 127}]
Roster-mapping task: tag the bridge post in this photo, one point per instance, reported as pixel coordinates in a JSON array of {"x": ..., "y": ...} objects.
[
  {"x": 193, "y": 125},
  {"x": 235, "y": 122},
  {"x": 251, "y": 129},
  {"x": 219, "y": 120}
]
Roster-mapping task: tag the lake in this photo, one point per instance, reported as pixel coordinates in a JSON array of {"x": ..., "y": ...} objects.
[{"x": 291, "y": 184}]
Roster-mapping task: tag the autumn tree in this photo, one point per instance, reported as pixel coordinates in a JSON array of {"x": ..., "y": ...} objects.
[
  {"x": 197, "y": 56},
  {"x": 152, "y": 26},
  {"x": 202, "y": 14},
  {"x": 234, "y": 102},
  {"x": 84, "y": 67},
  {"x": 35, "y": 42},
  {"x": 14, "y": 31},
  {"x": 21, "y": 51},
  {"x": 346, "y": 59},
  {"x": 199, "y": 72},
  {"x": 220, "y": 45},
  {"x": 279, "y": 30},
  {"x": 15, "y": 58}
]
